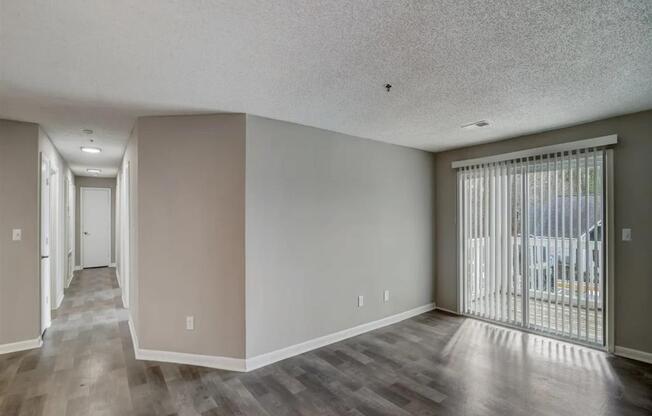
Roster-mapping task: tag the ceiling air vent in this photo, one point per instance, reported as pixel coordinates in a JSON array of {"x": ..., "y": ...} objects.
[{"x": 476, "y": 125}]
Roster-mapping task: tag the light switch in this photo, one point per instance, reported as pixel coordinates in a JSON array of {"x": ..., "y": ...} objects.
[
  {"x": 360, "y": 301},
  {"x": 627, "y": 234},
  {"x": 190, "y": 323},
  {"x": 17, "y": 234},
  {"x": 386, "y": 296}
]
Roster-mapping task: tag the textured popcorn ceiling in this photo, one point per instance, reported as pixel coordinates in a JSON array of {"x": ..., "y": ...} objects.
[{"x": 525, "y": 66}]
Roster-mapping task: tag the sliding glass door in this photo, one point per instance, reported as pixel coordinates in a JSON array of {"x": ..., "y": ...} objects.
[{"x": 532, "y": 243}]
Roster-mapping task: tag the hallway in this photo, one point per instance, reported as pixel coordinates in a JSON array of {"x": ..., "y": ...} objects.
[
  {"x": 434, "y": 363},
  {"x": 82, "y": 367}
]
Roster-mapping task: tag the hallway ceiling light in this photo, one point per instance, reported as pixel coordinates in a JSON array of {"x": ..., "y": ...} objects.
[
  {"x": 88, "y": 149},
  {"x": 94, "y": 170},
  {"x": 87, "y": 131}
]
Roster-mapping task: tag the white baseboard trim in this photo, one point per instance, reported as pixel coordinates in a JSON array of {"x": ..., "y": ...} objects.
[
  {"x": 249, "y": 364},
  {"x": 69, "y": 280},
  {"x": 77, "y": 268},
  {"x": 111, "y": 264},
  {"x": 638, "y": 355},
  {"x": 447, "y": 310},
  {"x": 134, "y": 335},
  {"x": 21, "y": 345},
  {"x": 57, "y": 304},
  {"x": 223, "y": 363},
  {"x": 287, "y": 352}
]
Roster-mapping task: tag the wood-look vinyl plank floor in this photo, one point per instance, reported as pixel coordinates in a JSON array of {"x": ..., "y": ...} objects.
[{"x": 433, "y": 364}]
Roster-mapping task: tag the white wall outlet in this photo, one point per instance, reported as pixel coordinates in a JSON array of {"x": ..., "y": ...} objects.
[
  {"x": 360, "y": 301},
  {"x": 190, "y": 323},
  {"x": 17, "y": 234},
  {"x": 386, "y": 296},
  {"x": 627, "y": 234}
]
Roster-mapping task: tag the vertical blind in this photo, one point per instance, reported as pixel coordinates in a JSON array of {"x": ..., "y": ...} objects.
[{"x": 531, "y": 242}]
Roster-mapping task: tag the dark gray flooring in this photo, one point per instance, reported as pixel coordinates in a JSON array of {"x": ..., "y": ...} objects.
[{"x": 433, "y": 364}]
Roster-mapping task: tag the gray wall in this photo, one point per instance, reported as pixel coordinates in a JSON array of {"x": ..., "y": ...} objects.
[
  {"x": 330, "y": 217},
  {"x": 191, "y": 233},
  {"x": 19, "y": 260},
  {"x": 633, "y": 208},
  {"x": 92, "y": 182}
]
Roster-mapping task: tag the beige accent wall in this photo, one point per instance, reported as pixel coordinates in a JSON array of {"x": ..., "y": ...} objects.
[
  {"x": 93, "y": 182},
  {"x": 191, "y": 178},
  {"x": 633, "y": 209},
  {"x": 19, "y": 260}
]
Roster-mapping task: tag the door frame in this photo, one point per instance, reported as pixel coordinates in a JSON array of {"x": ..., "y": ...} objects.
[
  {"x": 610, "y": 250},
  {"x": 44, "y": 287},
  {"x": 56, "y": 251},
  {"x": 81, "y": 222}
]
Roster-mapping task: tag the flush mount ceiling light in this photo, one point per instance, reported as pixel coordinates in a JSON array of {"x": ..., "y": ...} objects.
[
  {"x": 476, "y": 124},
  {"x": 87, "y": 131},
  {"x": 88, "y": 149},
  {"x": 96, "y": 171}
]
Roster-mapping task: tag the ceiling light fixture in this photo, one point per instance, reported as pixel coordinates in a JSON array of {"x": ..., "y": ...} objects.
[
  {"x": 476, "y": 124},
  {"x": 88, "y": 149},
  {"x": 95, "y": 171},
  {"x": 87, "y": 131}
]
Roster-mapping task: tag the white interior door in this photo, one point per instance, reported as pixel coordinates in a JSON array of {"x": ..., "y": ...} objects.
[
  {"x": 96, "y": 227},
  {"x": 45, "y": 243}
]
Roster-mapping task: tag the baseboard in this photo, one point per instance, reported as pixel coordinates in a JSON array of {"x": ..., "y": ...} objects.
[
  {"x": 638, "y": 355},
  {"x": 134, "y": 335},
  {"x": 77, "y": 268},
  {"x": 69, "y": 280},
  {"x": 447, "y": 310},
  {"x": 59, "y": 300},
  {"x": 223, "y": 363},
  {"x": 249, "y": 364},
  {"x": 21, "y": 345},
  {"x": 287, "y": 352},
  {"x": 111, "y": 264}
]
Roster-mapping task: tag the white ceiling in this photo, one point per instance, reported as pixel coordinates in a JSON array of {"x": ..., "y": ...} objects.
[{"x": 525, "y": 66}]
